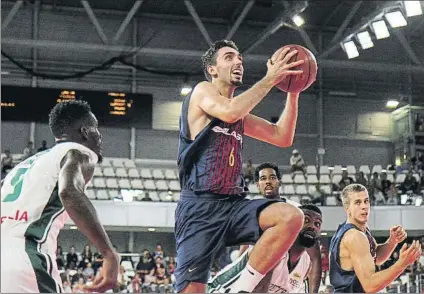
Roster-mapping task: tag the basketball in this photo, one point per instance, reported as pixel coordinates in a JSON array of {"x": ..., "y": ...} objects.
[{"x": 299, "y": 83}]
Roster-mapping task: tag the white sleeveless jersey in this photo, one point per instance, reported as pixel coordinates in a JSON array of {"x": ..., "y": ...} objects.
[
  {"x": 31, "y": 207},
  {"x": 294, "y": 282}
]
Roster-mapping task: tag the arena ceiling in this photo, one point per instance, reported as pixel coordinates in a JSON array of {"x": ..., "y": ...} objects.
[{"x": 62, "y": 37}]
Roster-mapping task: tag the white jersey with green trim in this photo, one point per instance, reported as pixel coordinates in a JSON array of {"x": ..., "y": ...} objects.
[{"x": 30, "y": 203}]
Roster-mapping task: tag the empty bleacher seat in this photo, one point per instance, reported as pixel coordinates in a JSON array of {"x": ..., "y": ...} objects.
[
  {"x": 390, "y": 177},
  {"x": 154, "y": 195},
  {"x": 133, "y": 173},
  {"x": 312, "y": 190},
  {"x": 312, "y": 179},
  {"x": 128, "y": 163},
  {"x": 351, "y": 169},
  {"x": 299, "y": 179},
  {"x": 124, "y": 184},
  {"x": 174, "y": 185},
  {"x": 162, "y": 185},
  {"x": 306, "y": 198},
  {"x": 288, "y": 190},
  {"x": 377, "y": 169},
  {"x": 337, "y": 170},
  {"x": 311, "y": 169},
  {"x": 365, "y": 169},
  {"x": 301, "y": 190},
  {"x": 323, "y": 170},
  {"x": 170, "y": 174},
  {"x": 91, "y": 194},
  {"x": 102, "y": 194},
  {"x": 99, "y": 183},
  {"x": 114, "y": 193},
  {"x": 118, "y": 162},
  {"x": 98, "y": 171},
  {"x": 108, "y": 172},
  {"x": 336, "y": 179},
  {"x": 287, "y": 179},
  {"x": 137, "y": 184},
  {"x": 105, "y": 162},
  {"x": 145, "y": 173},
  {"x": 324, "y": 179},
  {"x": 111, "y": 183},
  {"x": 253, "y": 189},
  {"x": 158, "y": 174},
  {"x": 121, "y": 172},
  {"x": 149, "y": 185},
  {"x": 165, "y": 197}
]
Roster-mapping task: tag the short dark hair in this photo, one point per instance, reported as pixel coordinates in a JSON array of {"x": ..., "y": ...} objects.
[
  {"x": 65, "y": 114},
  {"x": 264, "y": 166},
  {"x": 311, "y": 207},
  {"x": 209, "y": 58},
  {"x": 352, "y": 188}
]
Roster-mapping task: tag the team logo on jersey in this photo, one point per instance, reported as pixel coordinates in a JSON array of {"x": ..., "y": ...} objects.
[
  {"x": 226, "y": 131},
  {"x": 19, "y": 216},
  {"x": 296, "y": 275}
]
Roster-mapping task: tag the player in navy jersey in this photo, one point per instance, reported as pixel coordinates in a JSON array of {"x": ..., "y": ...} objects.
[
  {"x": 354, "y": 253},
  {"x": 213, "y": 211}
]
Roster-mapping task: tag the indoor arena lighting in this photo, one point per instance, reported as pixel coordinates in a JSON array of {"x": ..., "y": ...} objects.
[
  {"x": 298, "y": 20},
  {"x": 151, "y": 229},
  {"x": 396, "y": 19},
  {"x": 364, "y": 39},
  {"x": 392, "y": 104},
  {"x": 351, "y": 49},
  {"x": 413, "y": 8},
  {"x": 380, "y": 29},
  {"x": 185, "y": 90}
]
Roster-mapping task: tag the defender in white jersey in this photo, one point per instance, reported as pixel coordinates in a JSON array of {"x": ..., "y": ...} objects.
[
  {"x": 291, "y": 271},
  {"x": 267, "y": 178},
  {"x": 39, "y": 195}
]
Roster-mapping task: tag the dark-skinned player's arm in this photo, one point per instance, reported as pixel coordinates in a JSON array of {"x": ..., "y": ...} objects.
[
  {"x": 315, "y": 272},
  {"x": 363, "y": 264},
  {"x": 76, "y": 170},
  {"x": 208, "y": 98}
]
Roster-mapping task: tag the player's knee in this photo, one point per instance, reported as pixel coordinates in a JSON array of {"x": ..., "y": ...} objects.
[
  {"x": 292, "y": 217},
  {"x": 285, "y": 216}
]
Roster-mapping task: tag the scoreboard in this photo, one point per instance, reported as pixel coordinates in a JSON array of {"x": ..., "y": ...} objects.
[{"x": 111, "y": 108}]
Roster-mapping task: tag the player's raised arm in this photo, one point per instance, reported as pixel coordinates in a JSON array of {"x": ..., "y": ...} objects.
[
  {"x": 211, "y": 101},
  {"x": 76, "y": 171},
  {"x": 359, "y": 249},
  {"x": 280, "y": 134}
]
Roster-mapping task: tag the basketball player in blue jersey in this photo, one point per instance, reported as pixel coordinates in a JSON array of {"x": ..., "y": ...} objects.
[
  {"x": 354, "y": 253},
  {"x": 213, "y": 211}
]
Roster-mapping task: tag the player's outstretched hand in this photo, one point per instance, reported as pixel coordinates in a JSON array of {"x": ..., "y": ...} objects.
[
  {"x": 408, "y": 255},
  {"x": 397, "y": 234},
  {"x": 279, "y": 67},
  {"x": 107, "y": 279}
]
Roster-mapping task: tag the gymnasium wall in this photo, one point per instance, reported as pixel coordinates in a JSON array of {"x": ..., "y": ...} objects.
[{"x": 355, "y": 131}]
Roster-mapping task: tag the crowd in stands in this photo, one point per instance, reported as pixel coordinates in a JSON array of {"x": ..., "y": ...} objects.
[{"x": 151, "y": 272}]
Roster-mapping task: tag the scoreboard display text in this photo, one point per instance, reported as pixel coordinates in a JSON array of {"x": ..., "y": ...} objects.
[{"x": 111, "y": 108}]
